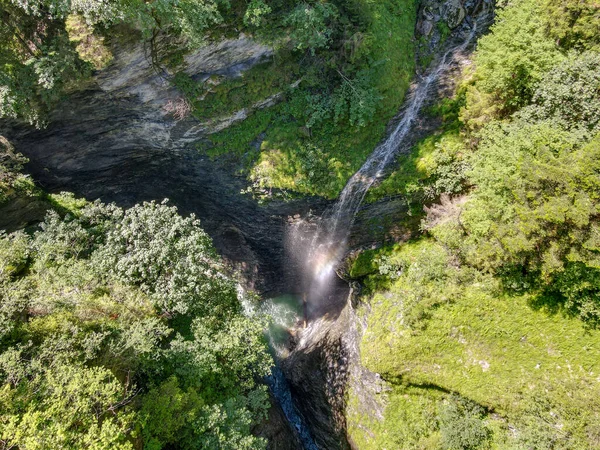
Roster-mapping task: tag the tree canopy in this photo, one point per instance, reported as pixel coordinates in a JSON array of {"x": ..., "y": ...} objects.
[
  {"x": 49, "y": 45},
  {"x": 120, "y": 328}
]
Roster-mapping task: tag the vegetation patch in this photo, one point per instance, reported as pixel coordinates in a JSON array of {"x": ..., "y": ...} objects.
[
  {"x": 120, "y": 329},
  {"x": 325, "y": 128},
  {"x": 444, "y": 334},
  {"x": 486, "y": 328}
]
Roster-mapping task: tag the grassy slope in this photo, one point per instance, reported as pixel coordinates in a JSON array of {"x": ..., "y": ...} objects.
[
  {"x": 535, "y": 373},
  {"x": 467, "y": 364},
  {"x": 413, "y": 170},
  {"x": 320, "y": 162}
]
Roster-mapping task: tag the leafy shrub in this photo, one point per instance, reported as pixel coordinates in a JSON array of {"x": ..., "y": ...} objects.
[
  {"x": 111, "y": 320},
  {"x": 14, "y": 252},
  {"x": 510, "y": 62},
  {"x": 574, "y": 23},
  {"x": 569, "y": 94},
  {"x": 311, "y": 25},
  {"x": 11, "y": 165},
  {"x": 63, "y": 406},
  {"x": 462, "y": 424},
  {"x": 90, "y": 46},
  {"x": 446, "y": 168},
  {"x": 255, "y": 13},
  {"x": 356, "y": 99}
]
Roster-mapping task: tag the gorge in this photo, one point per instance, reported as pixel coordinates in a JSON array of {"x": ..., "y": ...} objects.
[
  {"x": 337, "y": 273},
  {"x": 115, "y": 141}
]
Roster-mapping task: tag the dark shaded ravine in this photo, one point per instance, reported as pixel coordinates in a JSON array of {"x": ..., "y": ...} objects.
[
  {"x": 88, "y": 149},
  {"x": 113, "y": 141}
]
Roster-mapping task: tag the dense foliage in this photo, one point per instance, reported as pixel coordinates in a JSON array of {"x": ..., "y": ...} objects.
[
  {"x": 12, "y": 179},
  {"x": 119, "y": 329},
  {"x": 516, "y": 163},
  {"x": 340, "y": 69},
  {"x": 485, "y": 328}
]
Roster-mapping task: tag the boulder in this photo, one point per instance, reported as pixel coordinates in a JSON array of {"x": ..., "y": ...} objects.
[
  {"x": 425, "y": 27},
  {"x": 454, "y": 13}
]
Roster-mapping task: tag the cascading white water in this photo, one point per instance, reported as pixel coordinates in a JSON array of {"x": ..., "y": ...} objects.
[{"x": 318, "y": 252}]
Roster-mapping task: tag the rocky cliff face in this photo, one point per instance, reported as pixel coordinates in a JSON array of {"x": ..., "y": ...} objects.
[
  {"x": 437, "y": 19},
  {"x": 115, "y": 140}
]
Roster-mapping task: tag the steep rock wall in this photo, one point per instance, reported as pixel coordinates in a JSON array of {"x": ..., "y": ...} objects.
[{"x": 114, "y": 140}]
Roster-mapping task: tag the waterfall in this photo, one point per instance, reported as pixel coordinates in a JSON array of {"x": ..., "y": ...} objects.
[
  {"x": 319, "y": 251},
  {"x": 315, "y": 246},
  {"x": 281, "y": 391}
]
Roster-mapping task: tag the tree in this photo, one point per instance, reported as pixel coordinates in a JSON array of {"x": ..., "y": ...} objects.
[
  {"x": 63, "y": 406},
  {"x": 311, "y": 26},
  {"x": 37, "y": 61},
  {"x": 510, "y": 62},
  {"x": 356, "y": 99},
  {"x": 574, "y": 23},
  {"x": 462, "y": 424},
  {"x": 569, "y": 94},
  {"x": 120, "y": 326},
  {"x": 170, "y": 258},
  {"x": 533, "y": 215}
]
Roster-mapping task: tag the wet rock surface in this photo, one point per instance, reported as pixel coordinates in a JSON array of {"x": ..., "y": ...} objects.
[
  {"x": 277, "y": 430},
  {"x": 454, "y": 13},
  {"x": 436, "y": 19},
  {"x": 317, "y": 372}
]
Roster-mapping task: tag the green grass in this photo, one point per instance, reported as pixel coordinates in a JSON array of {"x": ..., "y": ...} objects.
[
  {"x": 237, "y": 140},
  {"x": 411, "y": 172},
  {"x": 65, "y": 203},
  {"x": 219, "y": 96},
  {"x": 438, "y": 330}
]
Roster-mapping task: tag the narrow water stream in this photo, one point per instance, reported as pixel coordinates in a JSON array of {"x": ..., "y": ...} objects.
[
  {"x": 318, "y": 251},
  {"x": 285, "y": 313}
]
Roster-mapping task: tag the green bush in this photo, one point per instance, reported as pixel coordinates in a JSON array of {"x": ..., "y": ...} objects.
[
  {"x": 510, "y": 62},
  {"x": 534, "y": 206},
  {"x": 568, "y": 94},
  {"x": 311, "y": 25},
  {"x": 574, "y": 23},
  {"x": 462, "y": 424}
]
